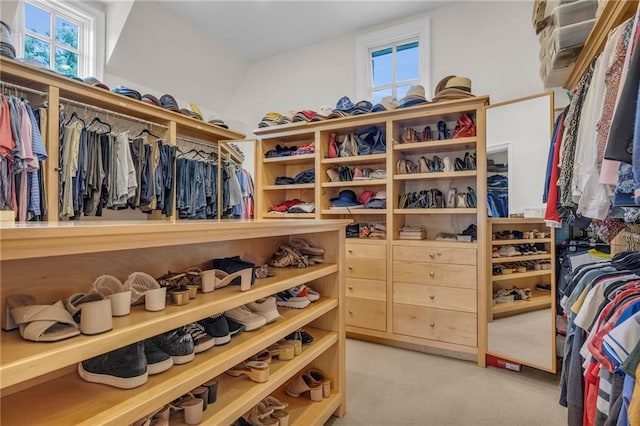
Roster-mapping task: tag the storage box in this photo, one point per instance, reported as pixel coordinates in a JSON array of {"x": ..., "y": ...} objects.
[
  {"x": 571, "y": 35},
  {"x": 552, "y": 4},
  {"x": 574, "y": 13}
]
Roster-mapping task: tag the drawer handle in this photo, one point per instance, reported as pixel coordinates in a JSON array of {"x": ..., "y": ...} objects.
[
  {"x": 350, "y": 311},
  {"x": 432, "y": 255},
  {"x": 432, "y": 274},
  {"x": 350, "y": 288},
  {"x": 432, "y": 324},
  {"x": 350, "y": 267},
  {"x": 432, "y": 297},
  {"x": 350, "y": 251}
]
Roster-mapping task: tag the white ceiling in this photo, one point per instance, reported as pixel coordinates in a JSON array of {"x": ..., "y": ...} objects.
[{"x": 258, "y": 29}]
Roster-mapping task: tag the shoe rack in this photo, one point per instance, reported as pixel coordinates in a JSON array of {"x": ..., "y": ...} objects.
[
  {"x": 68, "y": 260},
  {"x": 522, "y": 270},
  {"x": 423, "y": 294}
]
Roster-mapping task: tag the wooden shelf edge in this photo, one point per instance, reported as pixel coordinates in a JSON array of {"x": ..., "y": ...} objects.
[
  {"x": 437, "y": 175},
  {"x": 29, "y": 241},
  {"x": 539, "y": 302},
  {"x": 355, "y": 211},
  {"x": 520, "y": 258},
  {"x": 290, "y": 159},
  {"x": 436, "y": 211},
  {"x": 515, "y": 242},
  {"x": 428, "y": 242},
  {"x": 447, "y": 143},
  {"x": 355, "y": 159},
  {"x": 364, "y": 182},
  {"x": 285, "y": 187},
  {"x": 126, "y": 406},
  {"x": 517, "y": 275},
  {"x": 23, "y": 360},
  {"x": 269, "y": 216}
]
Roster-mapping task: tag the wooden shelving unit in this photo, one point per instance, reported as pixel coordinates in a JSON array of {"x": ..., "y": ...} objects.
[
  {"x": 45, "y": 372},
  {"x": 539, "y": 300}
]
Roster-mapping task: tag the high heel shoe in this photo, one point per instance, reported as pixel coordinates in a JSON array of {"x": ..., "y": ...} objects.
[
  {"x": 302, "y": 384},
  {"x": 221, "y": 278},
  {"x": 278, "y": 410},
  {"x": 257, "y": 371},
  {"x": 321, "y": 378},
  {"x": 443, "y": 132},
  {"x": 283, "y": 351}
]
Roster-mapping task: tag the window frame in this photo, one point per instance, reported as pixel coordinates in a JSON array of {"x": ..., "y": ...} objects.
[
  {"x": 419, "y": 31},
  {"x": 91, "y": 33}
]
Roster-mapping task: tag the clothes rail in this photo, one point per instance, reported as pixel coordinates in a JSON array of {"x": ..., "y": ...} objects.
[
  {"x": 5, "y": 85},
  {"x": 196, "y": 142},
  {"x": 109, "y": 112}
]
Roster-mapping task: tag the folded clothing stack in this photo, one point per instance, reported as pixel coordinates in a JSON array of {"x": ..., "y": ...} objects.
[
  {"x": 305, "y": 176},
  {"x": 293, "y": 206},
  {"x": 412, "y": 233}
]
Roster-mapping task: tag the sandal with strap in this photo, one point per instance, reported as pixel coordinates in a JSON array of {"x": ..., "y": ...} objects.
[
  {"x": 302, "y": 384},
  {"x": 258, "y": 371},
  {"x": 41, "y": 323}
]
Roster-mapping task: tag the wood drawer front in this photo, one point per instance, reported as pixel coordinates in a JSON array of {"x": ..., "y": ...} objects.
[
  {"x": 436, "y": 324},
  {"x": 374, "y": 269},
  {"x": 463, "y": 276},
  {"x": 433, "y": 296},
  {"x": 366, "y": 289},
  {"x": 365, "y": 251},
  {"x": 461, "y": 256},
  {"x": 366, "y": 313}
]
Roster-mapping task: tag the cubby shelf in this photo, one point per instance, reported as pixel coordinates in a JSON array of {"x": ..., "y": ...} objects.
[
  {"x": 292, "y": 159},
  {"x": 436, "y": 211},
  {"x": 356, "y": 159},
  {"x": 538, "y": 300},
  {"x": 286, "y": 187},
  {"x": 517, "y": 275},
  {"x": 520, "y": 258},
  {"x": 354, "y": 211},
  {"x": 369, "y": 182},
  {"x": 467, "y": 174},
  {"x": 433, "y": 146}
]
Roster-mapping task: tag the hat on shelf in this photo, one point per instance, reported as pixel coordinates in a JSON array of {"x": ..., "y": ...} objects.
[
  {"x": 6, "y": 44},
  {"x": 270, "y": 119},
  {"x": 95, "y": 82},
  {"x": 150, "y": 99},
  {"x": 362, "y": 107},
  {"x": 346, "y": 198},
  {"x": 218, "y": 122},
  {"x": 414, "y": 96},
  {"x": 125, "y": 91},
  {"x": 365, "y": 197},
  {"x": 453, "y": 87},
  {"x": 305, "y": 115},
  {"x": 323, "y": 112},
  {"x": 344, "y": 104},
  {"x": 387, "y": 103},
  {"x": 378, "y": 201},
  {"x": 169, "y": 102}
]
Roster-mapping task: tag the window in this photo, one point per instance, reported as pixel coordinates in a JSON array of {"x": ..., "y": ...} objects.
[
  {"x": 60, "y": 36},
  {"x": 390, "y": 61}
]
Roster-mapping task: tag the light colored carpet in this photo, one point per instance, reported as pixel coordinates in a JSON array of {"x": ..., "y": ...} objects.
[{"x": 395, "y": 387}]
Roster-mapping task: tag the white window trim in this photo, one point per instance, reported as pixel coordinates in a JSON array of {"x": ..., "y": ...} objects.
[
  {"x": 93, "y": 38},
  {"x": 420, "y": 29}
]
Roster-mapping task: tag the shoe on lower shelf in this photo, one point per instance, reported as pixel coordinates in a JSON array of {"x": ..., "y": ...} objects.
[
  {"x": 124, "y": 368},
  {"x": 302, "y": 384},
  {"x": 262, "y": 416},
  {"x": 266, "y": 307},
  {"x": 244, "y": 316},
  {"x": 293, "y": 298},
  {"x": 300, "y": 335},
  {"x": 235, "y": 328},
  {"x": 158, "y": 361},
  {"x": 257, "y": 371},
  {"x": 201, "y": 340},
  {"x": 279, "y": 410},
  {"x": 217, "y": 327},
  {"x": 178, "y": 344}
]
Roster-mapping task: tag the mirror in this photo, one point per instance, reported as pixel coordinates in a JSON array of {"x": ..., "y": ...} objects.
[
  {"x": 520, "y": 329},
  {"x": 522, "y": 129}
]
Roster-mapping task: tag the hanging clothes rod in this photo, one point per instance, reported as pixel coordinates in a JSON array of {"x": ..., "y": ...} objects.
[
  {"x": 196, "y": 142},
  {"x": 4, "y": 84},
  {"x": 108, "y": 112}
]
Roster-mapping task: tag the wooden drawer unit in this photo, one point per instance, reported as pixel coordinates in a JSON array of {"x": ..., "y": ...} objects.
[
  {"x": 461, "y": 256},
  {"x": 365, "y": 251},
  {"x": 433, "y": 296},
  {"x": 366, "y": 313},
  {"x": 375, "y": 269},
  {"x": 463, "y": 276},
  {"x": 366, "y": 289},
  {"x": 436, "y": 324}
]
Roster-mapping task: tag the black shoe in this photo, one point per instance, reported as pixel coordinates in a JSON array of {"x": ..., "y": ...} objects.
[
  {"x": 124, "y": 368},
  {"x": 157, "y": 360},
  {"x": 235, "y": 328},
  {"x": 301, "y": 335},
  {"x": 178, "y": 344},
  {"x": 241, "y": 422},
  {"x": 218, "y": 328}
]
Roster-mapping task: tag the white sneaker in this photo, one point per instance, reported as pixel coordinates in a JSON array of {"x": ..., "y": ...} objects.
[
  {"x": 244, "y": 316},
  {"x": 265, "y": 307}
]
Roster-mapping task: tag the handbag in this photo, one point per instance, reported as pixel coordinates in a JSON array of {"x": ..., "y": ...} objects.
[
  {"x": 333, "y": 146},
  {"x": 346, "y": 174},
  {"x": 349, "y": 146},
  {"x": 423, "y": 165},
  {"x": 465, "y": 127},
  {"x": 409, "y": 135}
]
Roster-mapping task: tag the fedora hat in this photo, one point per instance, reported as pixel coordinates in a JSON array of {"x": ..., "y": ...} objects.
[
  {"x": 414, "y": 96},
  {"x": 387, "y": 103},
  {"x": 453, "y": 87},
  {"x": 346, "y": 198}
]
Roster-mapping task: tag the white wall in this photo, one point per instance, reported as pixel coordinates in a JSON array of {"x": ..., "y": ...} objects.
[
  {"x": 493, "y": 43},
  {"x": 163, "y": 53}
]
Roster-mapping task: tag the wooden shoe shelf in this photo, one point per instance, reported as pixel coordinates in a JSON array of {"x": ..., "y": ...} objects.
[
  {"x": 69, "y": 258},
  {"x": 385, "y": 301},
  {"x": 528, "y": 279}
]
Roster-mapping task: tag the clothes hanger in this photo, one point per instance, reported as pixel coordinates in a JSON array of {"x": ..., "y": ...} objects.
[
  {"x": 147, "y": 131},
  {"x": 75, "y": 115},
  {"x": 97, "y": 119}
]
